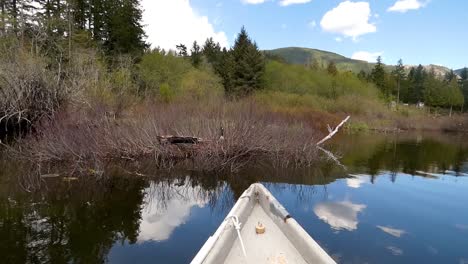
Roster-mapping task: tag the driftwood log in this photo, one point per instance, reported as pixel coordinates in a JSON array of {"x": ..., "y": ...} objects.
[{"x": 179, "y": 140}]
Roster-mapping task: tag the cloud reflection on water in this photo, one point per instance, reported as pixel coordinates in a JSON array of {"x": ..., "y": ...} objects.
[
  {"x": 166, "y": 207},
  {"x": 356, "y": 181},
  {"x": 392, "y": 231},
  {"x": 339, "y": 215}
]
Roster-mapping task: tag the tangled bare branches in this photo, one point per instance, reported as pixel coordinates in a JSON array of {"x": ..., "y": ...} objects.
[{"x": 250, "y": 134}]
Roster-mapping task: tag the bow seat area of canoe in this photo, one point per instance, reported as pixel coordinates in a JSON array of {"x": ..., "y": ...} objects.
[{"x": 284, "y": 240}]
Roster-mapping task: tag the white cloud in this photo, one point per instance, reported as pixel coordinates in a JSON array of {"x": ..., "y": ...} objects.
[
  {"x": 293, "y": 2},
  {"x": 350, "y": 19},
  {"x": 169, "y": 23},
  {"x": 338, "y": 39},
  {"x": 392, "y": 231},
  {"x": 366, "y": 56},
  {"x": 403, "y": 6},
  {"x": 339, "y": 215}
]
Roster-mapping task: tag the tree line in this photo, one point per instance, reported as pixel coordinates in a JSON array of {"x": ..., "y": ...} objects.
[
  {"x": 114, "y": 25},
  {"x": 418, "y": 85},
  {"x": 241, "y": 67}
]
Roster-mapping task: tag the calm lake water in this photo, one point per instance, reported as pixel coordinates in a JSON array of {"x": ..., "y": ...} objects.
[{"x": 402, "y": 199}]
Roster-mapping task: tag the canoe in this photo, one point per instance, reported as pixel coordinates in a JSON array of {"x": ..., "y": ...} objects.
[{"x": 239, "y": 238}]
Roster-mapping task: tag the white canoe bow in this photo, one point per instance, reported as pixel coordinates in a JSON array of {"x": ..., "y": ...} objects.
[{"x": 284, "y": 240}]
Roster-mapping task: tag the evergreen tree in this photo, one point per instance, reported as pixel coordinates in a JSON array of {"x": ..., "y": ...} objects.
[
  {"x": 464, "y": 74},
  {"x": 196, "y": 55},
  {"x": 399, "y": 75},
  {"x": 362, "y": 75},
  {"x": 211, "y": 51},
  {"x": 226, "y": 70},
  {"x": 419, "y": 78},
  {"x": 331, "y": 68},
  {"x": 450, "y": 75},
  {"x": 454, "y": 95},
  {"x": 123, "y": 30},
  {"x": 434, "y": 94},
  {"x": 80, "y": 13},
  {"x": 182, "y": 50},
  {"x": 249, "y": 65},
  {"x": 378, "y": 76}
]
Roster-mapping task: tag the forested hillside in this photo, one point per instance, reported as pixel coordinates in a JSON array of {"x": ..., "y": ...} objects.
[{"x": 305, "y": 56}]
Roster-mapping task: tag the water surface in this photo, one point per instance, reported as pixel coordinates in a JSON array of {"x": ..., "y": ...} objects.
[{"x": 402, "y": 199}]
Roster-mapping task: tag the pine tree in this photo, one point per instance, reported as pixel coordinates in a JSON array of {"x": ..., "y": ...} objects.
[
  {"x": 418, "y": 83},
  {"x": 80, "y": 13},
  {"x": 464, "y": 74},
  {"x": 211, "y": 51},
  {"x": 182, "y": 50},
  {"x": 249, "y": 65},
  {"x": 123, "y": 29},
  {"x": 449, "y": 76},
  {"x": 362, "y": 75},
  {"x": 196, "y": 55},
  {"x": 378, "y": 76},
  {"x": 226, "y": 71},
  {"x": 399, "y": 75}
]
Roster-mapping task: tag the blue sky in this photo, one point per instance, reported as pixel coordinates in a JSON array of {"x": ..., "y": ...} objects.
[{"x": 418, "y": 31}]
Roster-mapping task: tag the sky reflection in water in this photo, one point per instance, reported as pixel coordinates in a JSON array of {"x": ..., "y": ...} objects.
[{"x": 393, "y": 205}]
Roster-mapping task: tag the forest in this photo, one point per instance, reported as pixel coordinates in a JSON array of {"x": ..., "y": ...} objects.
[{"x": 79, "y": 83}]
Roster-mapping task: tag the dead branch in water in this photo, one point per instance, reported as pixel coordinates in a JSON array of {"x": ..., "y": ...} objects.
[
  {"x": 332, "y": 132},
  {"x": 331, "y": 156}
]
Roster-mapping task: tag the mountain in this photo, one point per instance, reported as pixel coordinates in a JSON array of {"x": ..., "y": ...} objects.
[
  {"x": 296, "y": 55},
  {"x": 437, "y": 69},
  {"x": 459, "y": 71}
]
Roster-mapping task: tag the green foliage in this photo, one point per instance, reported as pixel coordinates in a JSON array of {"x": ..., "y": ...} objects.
[
  {"x": 200, "y": 85},
  {"x": 172, "y": 77},
  {"x": 454, "y": 94},
  {"x": 356, "y": 127},
  {"x": 165, "y": 92},
  {"x": 300, "y": 80},
  {"x": 157, "y": 68},
  {"x": 442, "y": 94}
]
